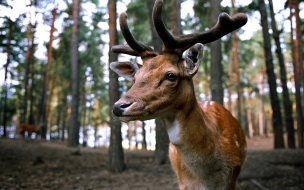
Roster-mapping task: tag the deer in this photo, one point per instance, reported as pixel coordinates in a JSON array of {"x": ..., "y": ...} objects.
[
  {"x": 207, "y": 144},
  {"x": 22, "y": 128}
]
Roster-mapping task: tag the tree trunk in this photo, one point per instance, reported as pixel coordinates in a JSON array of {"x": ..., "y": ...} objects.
[
  {"x": 162, "y": 139},
  {"x": 161, "y": 150},
  {"x": 144, "y": 142},
  {"x": 95, "y": 117},
  {"x": 237, "y": 70},
  {"x": 287, "y": 103},
  {"x": 26, "y": 74},
  {"x": 262, "y": 115},
  {"x": 216, "y": 70},
  {"x": 230, "y": 83},
  {"x": 73, "y": 138},
  {"x": 44, "y": 98},
  {"x": 176, "y": 17},
  {"x": 116, "y": 154},
  {"x": 4, "y": 120},
  {"x": 5, "y": 86},
  {"x": 31, "y": 118},
  {"x": 84, "y": 117},
  {"x": 59, "y": 113},
  {"x": 275, "y": 104},
  {"x": 54, "y": 77},
  {"x": 130, "y": 132},
  {"x": 297, "y": 65},
  {"x": 65, "y": 111},
  {"x": 249, "y": 112}
]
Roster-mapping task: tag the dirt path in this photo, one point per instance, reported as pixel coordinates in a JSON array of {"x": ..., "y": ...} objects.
[{"x": 31, "y": 165}]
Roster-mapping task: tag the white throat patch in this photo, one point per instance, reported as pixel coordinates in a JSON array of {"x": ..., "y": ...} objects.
[{"x": 174, "y": 132}]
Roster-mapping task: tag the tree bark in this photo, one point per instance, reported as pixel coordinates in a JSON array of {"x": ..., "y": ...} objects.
[
  {"x": 95, "y": 118},
  {"x": 5, "y": 86},
  {"x": 162, "y": 139},
  {"x": 176, "y": 17},
  {"x": 275, "y": 104},
  {"x": 262, "y": 115},
  {"x": 44, "y": 97},
  {"x": 73, "y": 138},
  {"x": 161, "y": 149},
  {"x": 297, "y": 65},
  {"x": 144, "y": 142},
  {"x": 26, "y": 74},
  {"x": 249, "y": 112},
  {"x": 231, "y": 79},
  {"x": 116, "y": 154},
  {"x": 237, "y": 70},
  {"x": 54, "y": 77},
  {"x": 32, "y": 118},
  {"x": 216, "y": 70},
  {"x": 65, "y": 113},
  {"x": 287, "y": 103}
]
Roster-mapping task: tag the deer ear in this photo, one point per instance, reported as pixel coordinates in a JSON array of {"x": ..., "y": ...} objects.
[
  {"x": 193, "y": 58},
  {"x": 125, "y": 69}
]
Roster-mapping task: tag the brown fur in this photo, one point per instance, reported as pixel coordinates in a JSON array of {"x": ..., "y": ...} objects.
[
  {"x": 208, "y": 145},
  {"x": 22, "y": 128}
]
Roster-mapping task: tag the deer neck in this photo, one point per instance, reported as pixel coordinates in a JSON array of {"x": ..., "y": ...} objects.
[{"x": 189, "y": 127}]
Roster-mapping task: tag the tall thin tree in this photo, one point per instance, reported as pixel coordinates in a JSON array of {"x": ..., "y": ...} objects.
[
  {"x": 116, "y": 154},
  {"x": 237, "y": 68},
  {"x": 27, "y": 69},
  {"x": 44, "y": 97},
  {"x": 73, "y": 138},
  {"x": 216, "y": 70},
  {"x": 176, "y": 17},
  {"x": 297, "y": 65},
  {"x": 275, "y": 104},
  {"x": 5, "y": 85},
  {"x": 287, "y": 103}
]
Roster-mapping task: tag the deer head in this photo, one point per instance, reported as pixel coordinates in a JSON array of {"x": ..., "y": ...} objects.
[{"x": 163, "y": 84}]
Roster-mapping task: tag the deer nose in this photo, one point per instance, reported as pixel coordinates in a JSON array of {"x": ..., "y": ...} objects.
[{"x": 119, "y": 108}]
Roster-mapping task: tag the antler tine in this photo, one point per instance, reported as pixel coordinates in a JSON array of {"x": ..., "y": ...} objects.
[
  {"x": 134, "y": 47},
  {"x": 160, "y": 27},
  {"x": 125, "y": 49},
  {"x": 225, "y": 25}
]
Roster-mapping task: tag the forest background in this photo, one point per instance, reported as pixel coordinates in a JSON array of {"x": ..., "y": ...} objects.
[{"x": 54, "y": 60}]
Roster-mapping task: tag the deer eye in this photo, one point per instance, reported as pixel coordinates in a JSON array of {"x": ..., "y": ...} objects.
[{"x": 171, "y": 76}]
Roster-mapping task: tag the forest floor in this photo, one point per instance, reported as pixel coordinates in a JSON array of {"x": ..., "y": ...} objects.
[{"x": 37, "y": 164}]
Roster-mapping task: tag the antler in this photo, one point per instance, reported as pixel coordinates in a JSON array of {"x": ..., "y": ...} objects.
[
  {"x": 134, "y": 47},
  {"x": 178, "y": 44},
  {"x": 225, "y": 25}
]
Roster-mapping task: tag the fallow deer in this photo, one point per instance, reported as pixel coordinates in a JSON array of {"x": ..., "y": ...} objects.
[
  {"x": 22, "y": 128},
  {"x": 207, "y": 144}
]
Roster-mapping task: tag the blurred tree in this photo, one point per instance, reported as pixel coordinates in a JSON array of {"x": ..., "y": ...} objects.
[
  {"x": 297, "y": 59},
  {"x": 116, "y": 154},
  {"x": 235, "y": 55},
  {"x": 44, "y": 97},
  {"x": 176, "y": 17},
  {"x": 11, "y": 31},
  {"x": 275, "y": 104},
  {"x": 286, "y": 100},
  {"x": 73, "y": 139},
  {"x": 11, "y": 38},
  {"x": 201, "y": 22},
  {"x": 216, "y": 69}
]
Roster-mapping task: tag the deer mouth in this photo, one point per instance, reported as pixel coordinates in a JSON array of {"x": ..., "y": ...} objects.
[{"x": 130, "y": 111}]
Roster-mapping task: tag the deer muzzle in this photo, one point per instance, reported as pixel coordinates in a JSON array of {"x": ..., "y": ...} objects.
[{"x": 120, "y": 108}]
